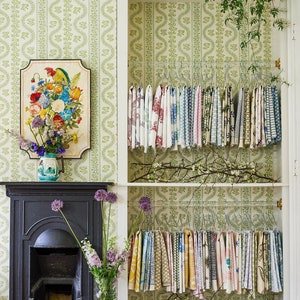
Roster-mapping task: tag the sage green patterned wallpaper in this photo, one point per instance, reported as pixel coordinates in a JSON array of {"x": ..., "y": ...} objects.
[
  {"x": 59, "y": 30},
  {"x": 56, "y": 29},
  {"x": 177, "y": 32},
  {"x": 187, "y": 43}
]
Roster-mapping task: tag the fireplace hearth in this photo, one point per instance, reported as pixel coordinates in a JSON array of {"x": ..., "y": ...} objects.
[{"x": 42, "y": 249}]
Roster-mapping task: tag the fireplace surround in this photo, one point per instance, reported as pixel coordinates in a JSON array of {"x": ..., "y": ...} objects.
[{"x": 45, "y": 259}]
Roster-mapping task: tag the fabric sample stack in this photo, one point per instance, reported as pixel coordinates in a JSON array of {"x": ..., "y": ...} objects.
[
  {"x": 197, "y": 261},
  {"x": 196, "y": 116}
]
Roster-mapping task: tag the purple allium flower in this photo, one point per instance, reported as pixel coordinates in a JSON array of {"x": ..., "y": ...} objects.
[
  {"x": 145, "y": 204},
  {"x": 57, "y": 204},
  {"x": 100, "y": 195},
  {"x": 111, "y": 197},
  {"x": 37, "y": 122}
]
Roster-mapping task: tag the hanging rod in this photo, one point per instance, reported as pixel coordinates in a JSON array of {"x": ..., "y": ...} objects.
[
  {"x": 205, "y": 185},
  {"x": 207, "y": 204},
  {"x": 183, "y": 62}
]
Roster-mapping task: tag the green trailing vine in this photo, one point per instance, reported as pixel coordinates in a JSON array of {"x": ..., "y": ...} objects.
[
  {"x": 252, "y": 14},
  {"x": 249, "y": 17}
]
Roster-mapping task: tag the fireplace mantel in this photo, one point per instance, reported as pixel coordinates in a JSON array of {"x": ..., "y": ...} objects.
[
  {"x": 31, "y": 216},
  {"x": 31, "y": 187}
]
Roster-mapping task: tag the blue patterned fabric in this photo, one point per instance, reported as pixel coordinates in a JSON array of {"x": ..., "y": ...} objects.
[{"x": 179, "y": 117}]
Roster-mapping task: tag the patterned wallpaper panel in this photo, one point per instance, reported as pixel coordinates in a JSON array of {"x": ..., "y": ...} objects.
[
  {"x": 60, "y": 30},
  {"x": 206, "y": 208},
  {"x": 187, "y": 43},
  {"x": 50, "y": 29},
  {"x": 209, "y": 208}
]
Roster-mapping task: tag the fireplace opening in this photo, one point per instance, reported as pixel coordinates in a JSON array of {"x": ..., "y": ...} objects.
[
  {"x": 58, "y": 292},
  {"x": 55, "y": 267}
]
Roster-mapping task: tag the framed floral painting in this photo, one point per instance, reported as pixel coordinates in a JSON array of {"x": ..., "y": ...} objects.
[{"x": 55, "y": 107}]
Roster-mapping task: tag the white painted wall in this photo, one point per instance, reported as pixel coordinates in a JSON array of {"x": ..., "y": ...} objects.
[{"x": 292, "y": 208}]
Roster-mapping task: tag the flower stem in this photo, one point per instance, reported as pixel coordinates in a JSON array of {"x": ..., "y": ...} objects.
[
  {"x": 71, "y": 229},
  {"x": 34, "y": 134},
  {"x": 41, "y": 136},
  {"x": 133, "y": 229},
  {"x": 104, "y": 239},
  {"x": 73, "y": 233},
  {"x": 108, "y": 221}
]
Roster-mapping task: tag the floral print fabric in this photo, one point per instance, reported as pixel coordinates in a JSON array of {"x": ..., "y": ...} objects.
[{"x": 196, "y": 116}]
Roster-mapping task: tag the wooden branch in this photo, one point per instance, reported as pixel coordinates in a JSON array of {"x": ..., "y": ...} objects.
[{"x": 217, "y": 169}]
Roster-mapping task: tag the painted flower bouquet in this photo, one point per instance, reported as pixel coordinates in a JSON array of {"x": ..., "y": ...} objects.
[
  {"x": 54, "y": 112},
  {"x": 105, "y": 271}
]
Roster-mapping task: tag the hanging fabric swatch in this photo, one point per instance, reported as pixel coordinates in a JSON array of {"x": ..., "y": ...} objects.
[
  {"x": 193, "y": 117},
  {"x": 144, "y": 264},
  {"x": 215, "y": 132},
  {"x": 134, "y": 275},
  {"x": 189, "y": 260},
  {"x": 196, "y": 261},
  {"x": 197, "y": 130},
  {"x": 147, "y": 116},
  {"x": 141, "y": 117},
  {"x": 276, "y": 132},
  {"x": 174, "y": 118},
  {"x": 183, "y": 117},
  {"x": 154, "y": 137},
  {"x": 169, "y": 248},
  {"x": 239, "y": 121}
]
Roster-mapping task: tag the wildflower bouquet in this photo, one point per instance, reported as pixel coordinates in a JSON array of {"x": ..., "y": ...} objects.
[
  {"x": 106, "y": 271},
  {"x": 54, "y": 111}
]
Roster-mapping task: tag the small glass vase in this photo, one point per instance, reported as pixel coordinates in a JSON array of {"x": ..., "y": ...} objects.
[
  {"x": 48, "y": 169},
  {"x": 107, "y": 288}
]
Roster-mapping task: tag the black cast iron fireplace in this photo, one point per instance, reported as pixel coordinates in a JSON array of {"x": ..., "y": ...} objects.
[{"x": 45, "y": 261}]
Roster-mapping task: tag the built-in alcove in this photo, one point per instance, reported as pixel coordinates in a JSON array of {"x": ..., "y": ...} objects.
[{"x": 45, "y": 261}]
